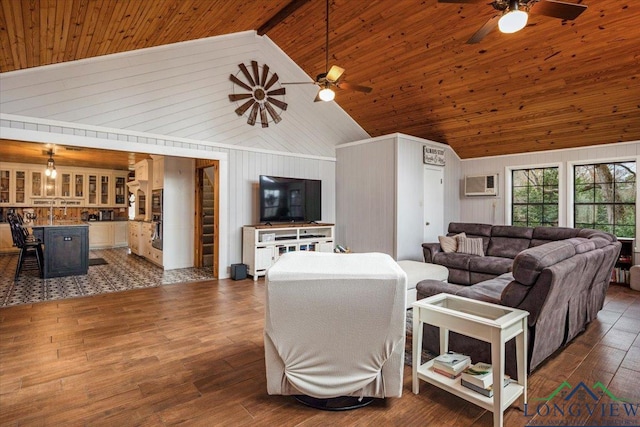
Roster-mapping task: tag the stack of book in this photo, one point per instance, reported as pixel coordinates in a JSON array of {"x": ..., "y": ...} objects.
[
  {"x": 451, "y": 364},
  {"x": 479, "y": 378}
]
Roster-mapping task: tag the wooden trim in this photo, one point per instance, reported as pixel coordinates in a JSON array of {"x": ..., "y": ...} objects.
[
  {"x": 201, "y": 164},
  {"x": 281, "y": 16}
]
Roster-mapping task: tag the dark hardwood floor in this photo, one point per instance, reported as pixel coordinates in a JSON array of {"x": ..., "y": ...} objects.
[{"x": 192, "y": 354}]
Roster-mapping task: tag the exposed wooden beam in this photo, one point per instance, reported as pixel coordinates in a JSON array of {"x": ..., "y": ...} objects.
[{"x": 281, "y": 16}]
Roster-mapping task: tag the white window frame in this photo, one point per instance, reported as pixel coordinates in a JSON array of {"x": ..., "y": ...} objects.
[{"x": 508, "y": 181}]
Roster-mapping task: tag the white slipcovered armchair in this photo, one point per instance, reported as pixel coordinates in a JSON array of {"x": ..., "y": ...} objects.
[{"x": 335, "y": 325}]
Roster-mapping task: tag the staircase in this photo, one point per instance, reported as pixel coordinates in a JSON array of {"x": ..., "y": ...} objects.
[{"x": 207, "y": 218}]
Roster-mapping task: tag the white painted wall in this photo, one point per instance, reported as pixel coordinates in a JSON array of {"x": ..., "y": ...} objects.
[
  {"x": 380, "y": 194},
  {"x": 173, "y": 100},
  {"x": 178, "y": 219},
  {"x": 482, "y": 209},
  {"x": 180, "y": 90}
]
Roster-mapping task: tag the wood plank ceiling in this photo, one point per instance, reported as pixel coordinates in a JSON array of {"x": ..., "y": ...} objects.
[{"x": 555, "y": 84}]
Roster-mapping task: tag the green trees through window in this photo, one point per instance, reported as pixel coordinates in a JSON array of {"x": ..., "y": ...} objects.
[
  {"x": 534, "y": 197},
  {"x": 605, "y": 197}
]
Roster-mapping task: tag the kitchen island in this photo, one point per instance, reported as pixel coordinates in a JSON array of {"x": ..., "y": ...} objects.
[{"x": 66, "y": 247}]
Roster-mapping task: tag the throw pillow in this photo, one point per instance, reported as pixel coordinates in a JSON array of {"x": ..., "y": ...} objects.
[
  {"x": 470, "y": 246},
  {"x": 450, "y": 243}
]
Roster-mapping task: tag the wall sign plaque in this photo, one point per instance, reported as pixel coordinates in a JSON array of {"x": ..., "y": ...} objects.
[{"x": 433, "y": 156}]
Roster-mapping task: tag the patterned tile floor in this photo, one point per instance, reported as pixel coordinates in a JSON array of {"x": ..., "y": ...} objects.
[{"x": 122, "y": 272}]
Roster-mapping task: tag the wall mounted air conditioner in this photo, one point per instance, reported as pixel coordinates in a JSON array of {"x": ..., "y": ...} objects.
[{"x": 481, "y": 185}]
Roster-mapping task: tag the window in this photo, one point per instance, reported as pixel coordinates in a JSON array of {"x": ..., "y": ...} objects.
[
  {"x": 605, "y": 197},
  {"x": 534, "y": 197}
]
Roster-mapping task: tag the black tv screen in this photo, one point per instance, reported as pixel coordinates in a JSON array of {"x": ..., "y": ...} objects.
[{"x": 290, "y": 199}]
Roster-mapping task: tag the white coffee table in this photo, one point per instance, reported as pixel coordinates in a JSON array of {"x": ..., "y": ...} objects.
[{"x": 492, "y": 323}]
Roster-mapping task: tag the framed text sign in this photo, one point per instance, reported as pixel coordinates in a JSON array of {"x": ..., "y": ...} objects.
[{"x": 433, "y": 156}]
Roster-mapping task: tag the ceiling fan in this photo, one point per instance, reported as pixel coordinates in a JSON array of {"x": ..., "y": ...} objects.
[
  {"x": 513, "y": 14},
  {"x": 331, "y": 78}
]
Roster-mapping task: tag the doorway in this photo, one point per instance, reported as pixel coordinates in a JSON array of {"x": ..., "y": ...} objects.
[
  {"x": 207, "y": 214},
  {"x": 433, "y": 191}
]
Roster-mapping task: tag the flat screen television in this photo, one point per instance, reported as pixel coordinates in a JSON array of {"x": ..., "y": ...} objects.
[{"x": 290, "y": 199}]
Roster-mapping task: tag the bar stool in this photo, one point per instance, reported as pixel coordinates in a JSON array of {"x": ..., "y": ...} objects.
[{"x": 27, "y": 243}]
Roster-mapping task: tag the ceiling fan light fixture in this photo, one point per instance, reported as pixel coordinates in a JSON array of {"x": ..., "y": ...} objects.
[
  {"x": 326, "y": 94},
  {"x": 513, "y": 21}
]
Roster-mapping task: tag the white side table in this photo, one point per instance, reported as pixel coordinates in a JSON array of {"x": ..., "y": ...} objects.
[{"x": 492, "y": 323}]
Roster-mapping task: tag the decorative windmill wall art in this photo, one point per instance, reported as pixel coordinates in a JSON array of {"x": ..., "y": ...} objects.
[{"x": 257, "y": 92}]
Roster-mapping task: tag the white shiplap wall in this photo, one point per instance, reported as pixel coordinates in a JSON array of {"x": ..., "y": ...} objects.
[
  {"x": 492, "y": 209},
  {"x": 173, "y": 100},
  {"x": 380, "y": 194},
  {"x": 180, "y": 90}
]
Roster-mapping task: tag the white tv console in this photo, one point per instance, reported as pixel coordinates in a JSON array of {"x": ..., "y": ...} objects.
[{"x": 262, "y": 245}]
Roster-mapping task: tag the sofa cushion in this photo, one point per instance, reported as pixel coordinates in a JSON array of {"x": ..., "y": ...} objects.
[
  {"x": 471, "y": 246},
  {"x": 490, "y": 264},
  {"x": 530, "y": 262},
  {"x": 469, "y": 228},
  {"x": 582, "y": 245},
  {"x": 512, "y": 231},
  {"x": 452, "y": 260},
  {"x": 507, "y": 247},
  {"x": 450, "y": 243},
  {"x": 551, "y": 234},
  {"x": 489, "y": 290}
]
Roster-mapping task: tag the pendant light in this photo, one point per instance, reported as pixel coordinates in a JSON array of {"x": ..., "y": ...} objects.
[{"x": 50, "y": 171}]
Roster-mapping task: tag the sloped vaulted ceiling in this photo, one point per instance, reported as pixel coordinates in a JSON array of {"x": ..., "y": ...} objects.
[{"x": 555, "y": 84}]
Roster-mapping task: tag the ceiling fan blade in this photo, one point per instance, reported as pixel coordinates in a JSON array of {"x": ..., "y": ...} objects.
[
  {"x": 351, "y": 86},
  {"x": 484, "y": 30},
  {"x": 462, "y": 1},
  {"x": 265, "y": 73},
  {"x": 271, "y": 82},
  {"x": 240, "y": 82},
  {"x": 244, "y": 107},
  {"x": 246, "y": 74},
  {"x": 256, "y": 71},
  {"x": 279, "y": 91},
  {"x": 263, "y": 117},
  {"x": 274, "y": 115},
  {"x": 238, "y": 96},
  {"x": 558, "y": 9},
  {"x": 334, "y": 73},
  {"x": 317, "y": 98},
  {"x": 252, "y": 116},
  {"x": 281, "y": 105}
]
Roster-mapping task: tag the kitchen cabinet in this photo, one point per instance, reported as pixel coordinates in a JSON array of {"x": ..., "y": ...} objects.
[
  {"x": 120, "y": 233},
  {"x": 49, "y": 186},
  {"x": 105, "y": 190},
  {"x": 107, "y": 234},
  {"x": 78, "y": 185},
  {"x": 65, "y": 184},
  {"x": 20, "y": 197},
  {"x": 158, "y": 172},
  {"x": 92, "y": 193},
  {"x": 142, "y": 170},
  {"x": 134, "y": 236},
  {"x": 36, "y": 184},
  {"x": 66, "y": 249},
  {"x": 120, "y": 190},
  {"x": 5, "y": 186},
  {"x": 13, "y": 187}
]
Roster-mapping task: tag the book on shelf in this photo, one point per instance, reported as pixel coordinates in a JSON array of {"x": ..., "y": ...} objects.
[
  {"x": 444, "y": 373},
  {"x": 488, "y": 391},
  {"x": 452, "y": 363},
  {"x": 479, "y": 374}
]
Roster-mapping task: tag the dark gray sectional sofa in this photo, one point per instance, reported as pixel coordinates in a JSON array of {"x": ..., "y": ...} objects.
[{"x": 559, "y": 275}]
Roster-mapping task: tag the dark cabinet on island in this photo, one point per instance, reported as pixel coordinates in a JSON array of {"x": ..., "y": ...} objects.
[{"x": 66, "y": 248}]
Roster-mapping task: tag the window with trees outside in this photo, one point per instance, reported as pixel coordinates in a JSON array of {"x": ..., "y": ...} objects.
[
  {"x": 605, "y": 197},
  {"x": 534, "y": 197}
]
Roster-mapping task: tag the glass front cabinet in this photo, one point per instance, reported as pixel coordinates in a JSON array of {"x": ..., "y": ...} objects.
[
  {"x": 21, "y": 187},
  {"x": 78, "y": 185},
  {"x": 5, "y": 186},
  {"x": 120, "y": 190},
  {"x": 36, "y": 184},
  {"x": 104, "y": 189},
  {"x": 65, "y": 185},
  {"x": 92, "y": 194}
]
